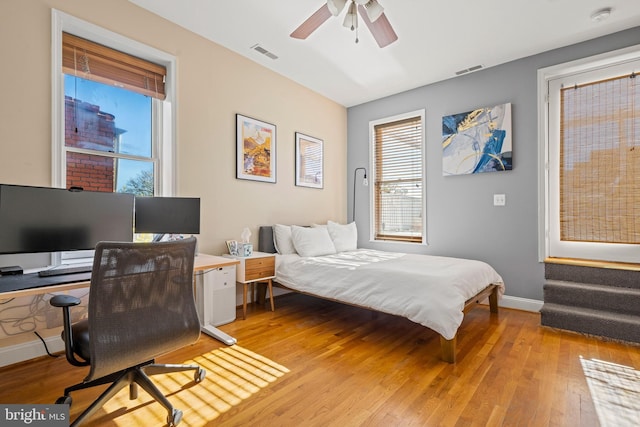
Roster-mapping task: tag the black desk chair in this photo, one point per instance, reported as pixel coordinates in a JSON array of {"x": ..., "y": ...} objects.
[{"x": 141, "y": 305}]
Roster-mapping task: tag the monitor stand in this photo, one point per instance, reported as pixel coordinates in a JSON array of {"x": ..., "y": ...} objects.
[{"x": 218, "y": 334}]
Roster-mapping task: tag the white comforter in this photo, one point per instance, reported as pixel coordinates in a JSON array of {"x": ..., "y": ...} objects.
[{"x": 429, "y": 290}]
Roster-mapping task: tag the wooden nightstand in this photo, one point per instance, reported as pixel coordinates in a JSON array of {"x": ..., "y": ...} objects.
[{"x": 260, "y": 267}]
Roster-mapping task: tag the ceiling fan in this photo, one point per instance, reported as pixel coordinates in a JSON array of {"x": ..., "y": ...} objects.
[{"x": 370, "y": 11}]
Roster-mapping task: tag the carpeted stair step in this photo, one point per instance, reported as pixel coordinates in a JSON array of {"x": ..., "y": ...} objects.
[
  {"x": 597, "y": 297},
  {"x": 625, "y": 327},
  {"x": 595, "y": 275}
]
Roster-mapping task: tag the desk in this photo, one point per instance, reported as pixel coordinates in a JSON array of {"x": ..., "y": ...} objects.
[
  {"x": 202, "y": 262},
  {"x": 209, "y": 262},
  {"x": 206, "y": 262}
]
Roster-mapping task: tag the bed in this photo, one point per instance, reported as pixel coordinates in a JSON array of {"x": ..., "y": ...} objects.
[{"x": 434, "y": 291}]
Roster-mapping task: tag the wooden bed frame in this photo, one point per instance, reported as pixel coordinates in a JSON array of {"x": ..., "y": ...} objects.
[{"x": 447, "y": 347}]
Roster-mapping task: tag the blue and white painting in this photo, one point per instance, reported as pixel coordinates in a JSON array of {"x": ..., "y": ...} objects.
[{"x": 477, "y": 141}]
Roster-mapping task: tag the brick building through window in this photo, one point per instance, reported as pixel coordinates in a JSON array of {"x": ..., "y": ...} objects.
[{"x": 86, "y": 127}]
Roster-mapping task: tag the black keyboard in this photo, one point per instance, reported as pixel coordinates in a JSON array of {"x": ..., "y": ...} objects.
[
  {"x": 33, "y": 280},
  {"x": 59, "y": 271}
]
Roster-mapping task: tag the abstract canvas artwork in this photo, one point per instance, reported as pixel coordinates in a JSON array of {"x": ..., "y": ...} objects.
[{"x": 477, "y": 141}]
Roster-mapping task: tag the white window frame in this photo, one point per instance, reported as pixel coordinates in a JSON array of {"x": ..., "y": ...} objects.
[
  {"x": 163, "y": 133},
  {"x": 549, "y": 80},
  {"x": 372, "y": 173}
]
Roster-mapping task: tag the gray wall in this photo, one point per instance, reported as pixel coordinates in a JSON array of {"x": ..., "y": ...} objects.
[{"x": 461, "y": 218}]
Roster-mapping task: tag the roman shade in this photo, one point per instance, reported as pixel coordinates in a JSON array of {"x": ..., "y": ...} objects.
[
  {"x": 600, "y": 161},
  {"x": 92, "y": 61}
]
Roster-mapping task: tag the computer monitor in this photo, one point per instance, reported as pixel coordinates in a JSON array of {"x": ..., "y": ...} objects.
[
  {"x": 44, "y": 219},
  {"x": 167, "y": 215}
]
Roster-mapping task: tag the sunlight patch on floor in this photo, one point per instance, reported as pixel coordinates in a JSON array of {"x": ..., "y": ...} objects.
[
  {"x": 615, "y": 390},
  {"x": 233, "y": 375}
]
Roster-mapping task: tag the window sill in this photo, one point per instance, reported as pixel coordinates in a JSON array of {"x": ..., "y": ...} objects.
[{"x": 594, "y": 263}]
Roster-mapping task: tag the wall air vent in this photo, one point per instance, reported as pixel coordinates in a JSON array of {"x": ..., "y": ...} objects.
[
  {"x": 263, "y": 51},
  {"x": 468, "y": 70}
]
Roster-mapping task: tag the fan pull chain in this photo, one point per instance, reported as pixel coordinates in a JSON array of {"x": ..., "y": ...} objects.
[{"x": 354, "y": 20}]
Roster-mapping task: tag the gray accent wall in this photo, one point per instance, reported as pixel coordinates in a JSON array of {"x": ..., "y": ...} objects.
[{"x": 461, "y": 218}]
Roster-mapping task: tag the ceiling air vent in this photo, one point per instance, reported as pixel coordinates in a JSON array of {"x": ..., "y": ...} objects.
[
  {"x": 263, "y": 51},
  {"x": 468, "y": 70}
]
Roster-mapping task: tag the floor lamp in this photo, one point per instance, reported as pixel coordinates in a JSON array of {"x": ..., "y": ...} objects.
[{"x": 365, "y": 182}]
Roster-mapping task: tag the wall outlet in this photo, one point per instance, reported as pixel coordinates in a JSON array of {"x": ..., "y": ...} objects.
[{"x": 499, "y": 199}]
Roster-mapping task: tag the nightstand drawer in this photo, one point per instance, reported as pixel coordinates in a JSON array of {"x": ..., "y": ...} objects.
[{"x": 257, "y": 268}]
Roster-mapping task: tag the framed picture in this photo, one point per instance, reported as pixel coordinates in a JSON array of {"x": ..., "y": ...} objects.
[
  {"x": 309, "y": 161},
  {"x": 255, "y": 149},
  {"x": 477, "y": 141},
  {"x": 232, "y": 247}
]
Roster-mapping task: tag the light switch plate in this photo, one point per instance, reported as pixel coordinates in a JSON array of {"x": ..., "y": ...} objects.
[{"x": 499, "y": 199}]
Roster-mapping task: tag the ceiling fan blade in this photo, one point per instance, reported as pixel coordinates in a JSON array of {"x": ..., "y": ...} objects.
[
  {"x": 312, "y": 23},
  {"x": 380, "y": 28}
]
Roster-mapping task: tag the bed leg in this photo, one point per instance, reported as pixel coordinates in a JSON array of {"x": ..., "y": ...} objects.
[
  {"x": 448, "y": 349},
  {"x": 493, "y": 300}
]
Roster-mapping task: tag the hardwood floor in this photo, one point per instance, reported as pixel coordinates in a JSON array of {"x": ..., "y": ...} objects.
[{"x": 318, "y": 363}]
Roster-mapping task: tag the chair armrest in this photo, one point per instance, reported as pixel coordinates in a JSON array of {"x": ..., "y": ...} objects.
[{"x": 64, "y": 301}]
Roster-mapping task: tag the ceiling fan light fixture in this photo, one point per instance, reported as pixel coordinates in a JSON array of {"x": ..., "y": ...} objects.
[
  {"x": 336, "y": 6},
  {"x": 351, "y": 18},
  {"x": 374, "y": 10},
  {"x": 371, "y": 13}
]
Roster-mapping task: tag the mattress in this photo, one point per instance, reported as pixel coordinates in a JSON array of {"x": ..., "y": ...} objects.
[{"x": 429, "y": 290}]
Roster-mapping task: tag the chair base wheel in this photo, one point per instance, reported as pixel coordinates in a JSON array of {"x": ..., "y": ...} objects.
[
  {"x": 64, "y": 400},
  {"x": 175, "y": 418},
  {"x": 199, "y": 375}
]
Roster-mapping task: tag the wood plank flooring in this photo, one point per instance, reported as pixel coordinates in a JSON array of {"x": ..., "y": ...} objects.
[{"x": 318, "y": 363}]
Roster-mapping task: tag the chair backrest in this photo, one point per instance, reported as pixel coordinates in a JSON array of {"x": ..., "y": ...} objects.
[{"x": 141, "y": 303}]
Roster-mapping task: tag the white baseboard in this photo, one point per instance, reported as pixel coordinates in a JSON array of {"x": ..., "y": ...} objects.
[
  {"x": 28, "y": 350},
  {"x": 518, "y": 303}
]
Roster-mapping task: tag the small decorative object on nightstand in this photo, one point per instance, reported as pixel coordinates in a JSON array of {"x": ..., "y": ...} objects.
[{"x": 259, "y": 267}]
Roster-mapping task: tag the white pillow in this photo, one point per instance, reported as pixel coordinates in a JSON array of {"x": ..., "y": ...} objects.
[
  {"x": 282, "y": 239},
  {"x": 344, "y": 237},
  {"x": 312, "y": 241}
]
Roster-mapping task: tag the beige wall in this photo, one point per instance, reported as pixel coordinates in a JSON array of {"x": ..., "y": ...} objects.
[{"x": 205, "y": 118}]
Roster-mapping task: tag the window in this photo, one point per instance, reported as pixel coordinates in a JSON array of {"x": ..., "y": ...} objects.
[
  {"x": 592, "y": 195},
  {"x": 109, "y": 97},
  {"x": 108, "y": 145},
  {"x": 398, "y": 171},
  {"x": 112, "y": 120}
]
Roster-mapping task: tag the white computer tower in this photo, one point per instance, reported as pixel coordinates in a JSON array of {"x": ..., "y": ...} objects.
[{"x": 216, "y": 296}]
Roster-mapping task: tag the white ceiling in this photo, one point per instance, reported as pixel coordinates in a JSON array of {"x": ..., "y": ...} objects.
[{"x": 435, "y": 38}]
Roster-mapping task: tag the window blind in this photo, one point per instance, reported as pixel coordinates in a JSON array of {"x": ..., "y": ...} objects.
[
  {"x": 398, "y": 180},
  {"x": 92, "y": 61},
  {"x": 600, "y": 161}
]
